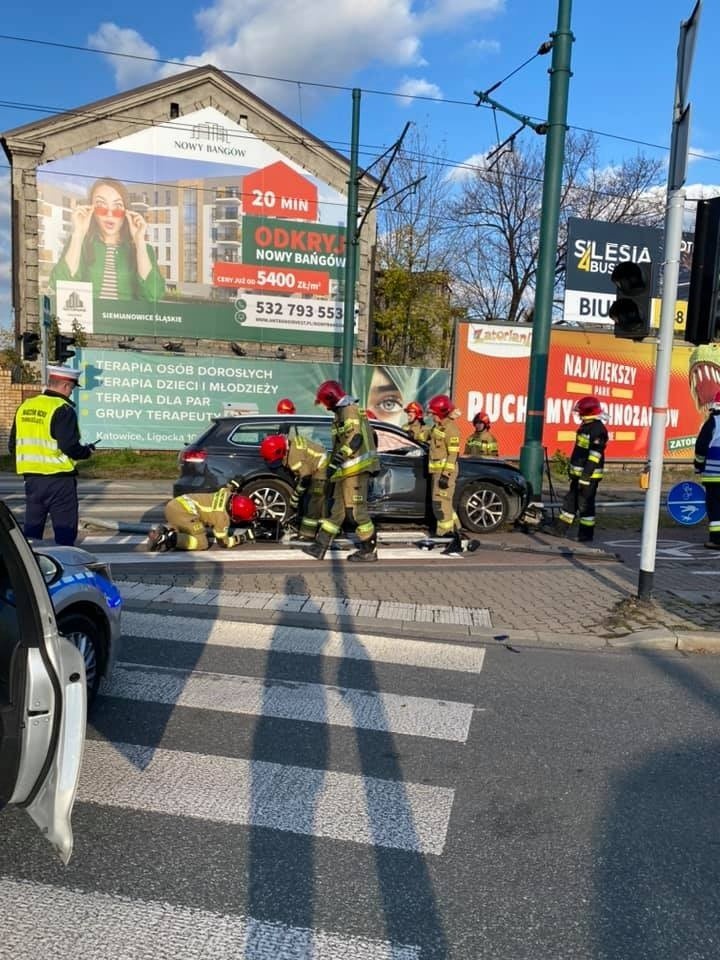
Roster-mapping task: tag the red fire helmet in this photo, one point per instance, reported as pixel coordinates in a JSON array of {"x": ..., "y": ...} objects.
[
  {"x": 329, "y": 394},
  {"x": 483, "y": 418},
  {"x": 273, "y": 449},
  {"x": 242, "y": 509},
  {"x": 588, "y": 407},
  {"x": 414, "y": 409},
  {"x": 286, "y": 406},
  {"x": 441, "y": 406}
]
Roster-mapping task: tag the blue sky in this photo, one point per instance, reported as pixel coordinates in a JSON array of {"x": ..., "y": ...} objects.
[{"x": 623, "y": 63}]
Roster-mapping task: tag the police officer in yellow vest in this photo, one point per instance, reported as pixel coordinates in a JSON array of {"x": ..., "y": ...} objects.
[
  {"x": 352, "y": 461},
  {"x": 45, "y": 441},
  {"x": 442, "y": 464}
]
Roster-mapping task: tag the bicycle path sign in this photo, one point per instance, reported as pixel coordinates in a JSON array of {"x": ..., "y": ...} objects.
[{"x": 686, "y": 502}]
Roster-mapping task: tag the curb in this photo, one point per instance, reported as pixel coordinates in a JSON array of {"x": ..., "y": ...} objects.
[{"x": 662, "y": 638}]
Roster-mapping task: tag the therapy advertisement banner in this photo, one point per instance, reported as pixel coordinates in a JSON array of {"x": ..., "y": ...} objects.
[
  {"x": 491, "y": 374},
  {"x": 596, "y": 247},
  {"x": 195, "y": 228},
  {"x": 148, "y": 401}
]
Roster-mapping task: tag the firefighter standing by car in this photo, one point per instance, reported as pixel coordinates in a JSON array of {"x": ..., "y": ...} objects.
[
  {"x": 707, "y": 464},
  {"x": 308, "y": 462},
  {"x": 587, "y": 461},
  {"x": 191, "y": 515},
  {"x": 416, "y": 427},
  {"x": 442, "y": 465},
  {"x": 45, "y": 442},
  {"x": 481, "y": 443},
  {"x": 352, "y": 461}
]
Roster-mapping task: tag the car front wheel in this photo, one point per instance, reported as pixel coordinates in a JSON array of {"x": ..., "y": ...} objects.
[
  {"x": 86, "y": 635},
  {"x": 483, "y": 508},
  {"x": 272, "y": 498}
]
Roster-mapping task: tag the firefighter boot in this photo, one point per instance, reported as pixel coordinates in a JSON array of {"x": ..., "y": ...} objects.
[
  {"x": 366, "y": 552},
  {"x": 455, "y": 547},
  {"x": 319, "y": 547}
]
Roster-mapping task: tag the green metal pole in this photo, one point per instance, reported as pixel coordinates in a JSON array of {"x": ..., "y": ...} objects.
[
  {"x": 352, "y": 240},
  {"x": 531, "y": 454}
]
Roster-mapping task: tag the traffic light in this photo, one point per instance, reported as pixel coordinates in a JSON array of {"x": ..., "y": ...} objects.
[
  {"x": 30, "y": 346},
  {"x": 703, "y": 310},
  {"x": 62, "y": 347},
  {"x": 632, "y": 309}
]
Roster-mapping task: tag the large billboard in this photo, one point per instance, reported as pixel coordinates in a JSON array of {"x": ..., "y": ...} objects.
[
  {"x": 491, "y": 373},
  {"x": 595, "y": 248},
  {"x": 195, "y": 228},
  {"x": 149, "y": 401}
]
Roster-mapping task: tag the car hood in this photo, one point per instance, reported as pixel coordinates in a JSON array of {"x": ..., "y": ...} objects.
[{"x": 67, "y": 556}]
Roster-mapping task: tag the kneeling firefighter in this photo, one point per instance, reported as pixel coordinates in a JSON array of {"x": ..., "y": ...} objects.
[
  {"x": 308, "y": 462},
  {"x": 228, "y": 516},
  {"x": 353, "y": 461}
]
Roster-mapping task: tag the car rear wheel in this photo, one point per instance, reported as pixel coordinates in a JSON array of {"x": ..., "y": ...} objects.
[
  {"x": 86, "y": 635},
  {"x": 483, "y": 507},
  {"x": 272, "y": 498}
]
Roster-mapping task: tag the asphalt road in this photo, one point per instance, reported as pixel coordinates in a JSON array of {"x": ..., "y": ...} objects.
[{"x": 270, "y": 793}]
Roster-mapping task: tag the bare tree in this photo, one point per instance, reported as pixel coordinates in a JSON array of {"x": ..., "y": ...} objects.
[
  {"x": 415, "y": 258},
  {"x": 498, "y": 209}
]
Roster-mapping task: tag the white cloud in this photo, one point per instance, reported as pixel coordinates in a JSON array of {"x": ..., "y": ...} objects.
[
  {"x": 464, "y": 170},
  {"x": 442, "y": 13},
  {"x": 697, "y": 153},
  {"x": 417, "y": 87},
  {"x": 483, "y": 47},
  {"x": 128, "y": 73},
  {"x": 268, "y": 38}
]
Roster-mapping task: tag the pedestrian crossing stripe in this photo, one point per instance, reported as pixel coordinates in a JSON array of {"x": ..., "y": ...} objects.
[
  {"x": 41, "y": 920},
  {"x": 309, "y": 702},
  {"x": 318, "y": 803},
  {"x": 465, "y": 658}
]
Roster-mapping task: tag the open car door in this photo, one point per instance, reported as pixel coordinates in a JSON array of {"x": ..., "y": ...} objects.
[{"x": 43, "y": 705}]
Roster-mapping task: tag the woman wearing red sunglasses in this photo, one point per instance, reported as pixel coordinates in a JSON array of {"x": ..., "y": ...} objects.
[{"x": 107, "y": 248}]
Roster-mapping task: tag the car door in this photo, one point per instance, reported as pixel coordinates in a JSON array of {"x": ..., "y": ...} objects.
[
  {"x": 400, "y": 488},
  {"x": 42, "y": 696}
]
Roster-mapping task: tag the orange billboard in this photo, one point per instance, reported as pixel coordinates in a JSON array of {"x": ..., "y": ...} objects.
[{"x": 491, "y": 373}]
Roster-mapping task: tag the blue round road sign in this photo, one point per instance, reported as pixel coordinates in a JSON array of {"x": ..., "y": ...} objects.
[{"x": 686, "y": 502}]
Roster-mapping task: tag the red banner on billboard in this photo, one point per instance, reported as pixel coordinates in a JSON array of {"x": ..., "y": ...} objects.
[
  {"x": 247, "y": 276},
  {"x": 491, "y": 373},
  {"x": 280, "y": 191}
]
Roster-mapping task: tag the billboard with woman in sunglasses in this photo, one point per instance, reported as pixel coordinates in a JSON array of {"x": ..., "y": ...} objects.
[{"x": 107, "y": 247}]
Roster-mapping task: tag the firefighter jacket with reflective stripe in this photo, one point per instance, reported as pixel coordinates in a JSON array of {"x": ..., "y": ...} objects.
[
  {"x": 481, "y": 444},
  {"x": 444, "y": 447},
  {"x": 418, "y": 430},
  {"x": 307, "y": 460},
  {"x": 588, "y": 455},
  {"x": 707, "y": 449},
  {"x": 212, "y": 508},
  {"x": 354, "y": 449},
  {"x": 36, "y": 441}
]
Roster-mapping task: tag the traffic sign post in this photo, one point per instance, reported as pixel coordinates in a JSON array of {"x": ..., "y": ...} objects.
[{"x": 686, "y": 503}]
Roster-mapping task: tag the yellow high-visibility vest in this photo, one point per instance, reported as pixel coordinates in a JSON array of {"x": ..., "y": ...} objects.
[{"x": 36, "y": 450}]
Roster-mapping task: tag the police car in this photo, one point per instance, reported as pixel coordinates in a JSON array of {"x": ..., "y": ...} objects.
[
  {"x": 87, "y": 606},
  {"x": 43, "y": 705}
]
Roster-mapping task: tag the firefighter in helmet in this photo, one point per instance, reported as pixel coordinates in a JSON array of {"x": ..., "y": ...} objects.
[
  {"x": 286, "y": 406},
  {"x": 707, "y": 464},
  {"x": 585, "y": 470},
  {"x": 227, "y": 514},
  {"x": 308, "y": 462},
  {"x": 352, "y": 461},
  {"x": 442, "y": 464},
  {"x": 481, "y": 443},
  {"x": 416, "y": 427}
]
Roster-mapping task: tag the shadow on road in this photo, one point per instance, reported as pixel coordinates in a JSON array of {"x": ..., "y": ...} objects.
[{"x": 657, "y": 873}]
